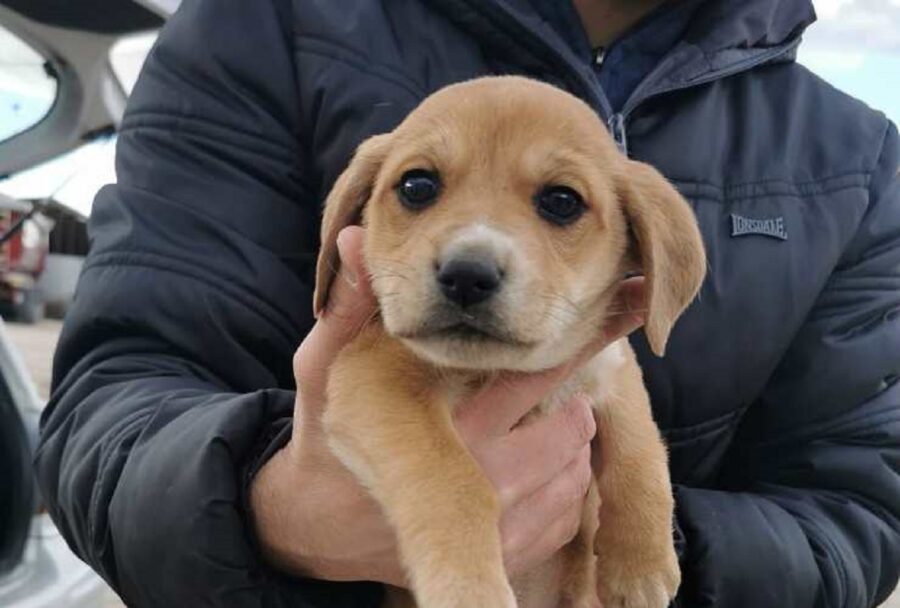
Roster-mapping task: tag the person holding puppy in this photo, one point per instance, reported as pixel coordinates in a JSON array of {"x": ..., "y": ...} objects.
[{"x": 177, "y": 456}]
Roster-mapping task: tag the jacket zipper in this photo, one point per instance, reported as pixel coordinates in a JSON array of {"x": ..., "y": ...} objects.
[
  {"x": 616, "y": 125},
  {"x": 556, "y": 60},
  {"x": 617, "y": 122}
]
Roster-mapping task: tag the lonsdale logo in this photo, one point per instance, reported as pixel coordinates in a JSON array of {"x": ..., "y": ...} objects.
[{"x": 771, "y": 226}]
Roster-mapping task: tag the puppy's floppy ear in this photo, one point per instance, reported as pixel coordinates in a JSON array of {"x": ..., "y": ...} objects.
[
  {"x": 669, "y": 247},
  {"x": 344, "y": 207}
]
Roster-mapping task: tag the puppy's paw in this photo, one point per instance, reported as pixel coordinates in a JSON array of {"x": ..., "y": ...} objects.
[{"x": 638, "y": 585}]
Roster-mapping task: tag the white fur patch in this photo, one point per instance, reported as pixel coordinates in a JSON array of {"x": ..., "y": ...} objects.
[
  {"x": 480, "y": 238},
  {"x": 597, "y": 379}
]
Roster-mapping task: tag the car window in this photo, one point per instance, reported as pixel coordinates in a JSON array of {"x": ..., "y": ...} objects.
[{"x": 27, "y": 86}]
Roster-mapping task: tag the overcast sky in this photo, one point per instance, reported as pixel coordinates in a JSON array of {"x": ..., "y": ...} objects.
[
  {"x": 856, "y": 25},
  {"x": 855, "y": 45}
]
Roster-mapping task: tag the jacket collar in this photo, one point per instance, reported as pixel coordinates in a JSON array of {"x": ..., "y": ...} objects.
[
  {"x": 749, "y": 24},
  {"x": 725, "y": 37}
]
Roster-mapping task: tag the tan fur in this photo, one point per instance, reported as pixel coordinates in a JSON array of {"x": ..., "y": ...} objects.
[{"x": 495, "y": 142}]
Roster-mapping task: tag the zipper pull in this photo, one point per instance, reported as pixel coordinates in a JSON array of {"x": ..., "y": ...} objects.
[{"x": 619, "y": 134}]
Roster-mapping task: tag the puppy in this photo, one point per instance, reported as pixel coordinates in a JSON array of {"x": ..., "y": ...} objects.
[{"x": 501, "y": 220}]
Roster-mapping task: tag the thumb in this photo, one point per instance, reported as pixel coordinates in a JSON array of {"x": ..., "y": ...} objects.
[
  {"x": 628, "y": 311},
  {"x": 350, "y": 306}
]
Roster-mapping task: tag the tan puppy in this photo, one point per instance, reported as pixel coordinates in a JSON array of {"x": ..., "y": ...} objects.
[{"x": 501, "y": 220}]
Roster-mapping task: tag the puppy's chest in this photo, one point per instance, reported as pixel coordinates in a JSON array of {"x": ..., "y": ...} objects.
[{"x": 598, "y": 380}]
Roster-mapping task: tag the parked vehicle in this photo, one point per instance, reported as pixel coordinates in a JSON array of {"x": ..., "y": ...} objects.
[
  {"x": 37, "y": 569},
  {"x": 23, "y": 256},
  {"x": 68, "y": 248},
  {"x": 59, "y": 92}
]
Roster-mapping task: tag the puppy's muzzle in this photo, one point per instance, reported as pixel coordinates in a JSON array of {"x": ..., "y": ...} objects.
[{"x": 469, "y": 280}]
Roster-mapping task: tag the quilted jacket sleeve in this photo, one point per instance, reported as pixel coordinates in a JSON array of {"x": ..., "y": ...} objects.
[
  {"x": 809, "y": 513},
  {"x": 195, "y": 294}
]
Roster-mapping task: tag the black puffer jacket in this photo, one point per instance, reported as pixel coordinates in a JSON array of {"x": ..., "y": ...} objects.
[{"x": 779, "y": 396}]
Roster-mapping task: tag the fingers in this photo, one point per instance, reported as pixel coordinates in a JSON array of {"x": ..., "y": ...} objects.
[
  {"x": 503, "y": 403},
  {"x": 352, "y": 291},
  {"x": 350, "y": 305},
  {"x": 539, "y": 451},
  {"x": 544, "y": 522},
  {"x": 545, "y": 472},
  {"x": 627, "y": 312}
]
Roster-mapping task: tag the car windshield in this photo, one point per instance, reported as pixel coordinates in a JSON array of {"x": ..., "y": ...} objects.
[{"x": 27, "y": 86}]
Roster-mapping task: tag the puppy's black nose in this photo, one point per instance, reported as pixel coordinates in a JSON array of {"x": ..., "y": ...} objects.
[{"x": 467, "y": 282}]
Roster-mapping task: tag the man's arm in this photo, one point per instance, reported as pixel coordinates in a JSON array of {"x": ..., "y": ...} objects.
[
  {"x": 809, "y": 513},
  {"x": 194, "y": 296}
]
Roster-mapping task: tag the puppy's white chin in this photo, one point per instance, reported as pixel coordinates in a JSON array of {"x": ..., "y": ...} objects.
[{"x": 485, "y": 355}]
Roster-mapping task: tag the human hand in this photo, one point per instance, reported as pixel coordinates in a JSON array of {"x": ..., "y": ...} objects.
[{"x": 314, "y": 519}]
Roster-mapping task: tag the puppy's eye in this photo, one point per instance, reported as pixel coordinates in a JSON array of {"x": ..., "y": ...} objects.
[
  {"x": 418, "y": 188},
  {"x": 559, "y": 204}
]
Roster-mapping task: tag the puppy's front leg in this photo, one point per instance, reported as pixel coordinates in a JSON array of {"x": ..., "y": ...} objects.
[
  {"x": 388, "y": 422},
  {"x": 637, "y": 565}
]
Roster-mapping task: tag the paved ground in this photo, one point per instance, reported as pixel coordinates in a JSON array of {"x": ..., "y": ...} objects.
[{"x": 36, "y": 344}]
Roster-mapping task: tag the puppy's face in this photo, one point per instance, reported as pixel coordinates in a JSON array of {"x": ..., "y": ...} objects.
[{"x": 498, "y": 225}]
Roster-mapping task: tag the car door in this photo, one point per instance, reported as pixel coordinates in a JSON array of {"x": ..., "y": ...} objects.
[{"x": 16, "y": 482}]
